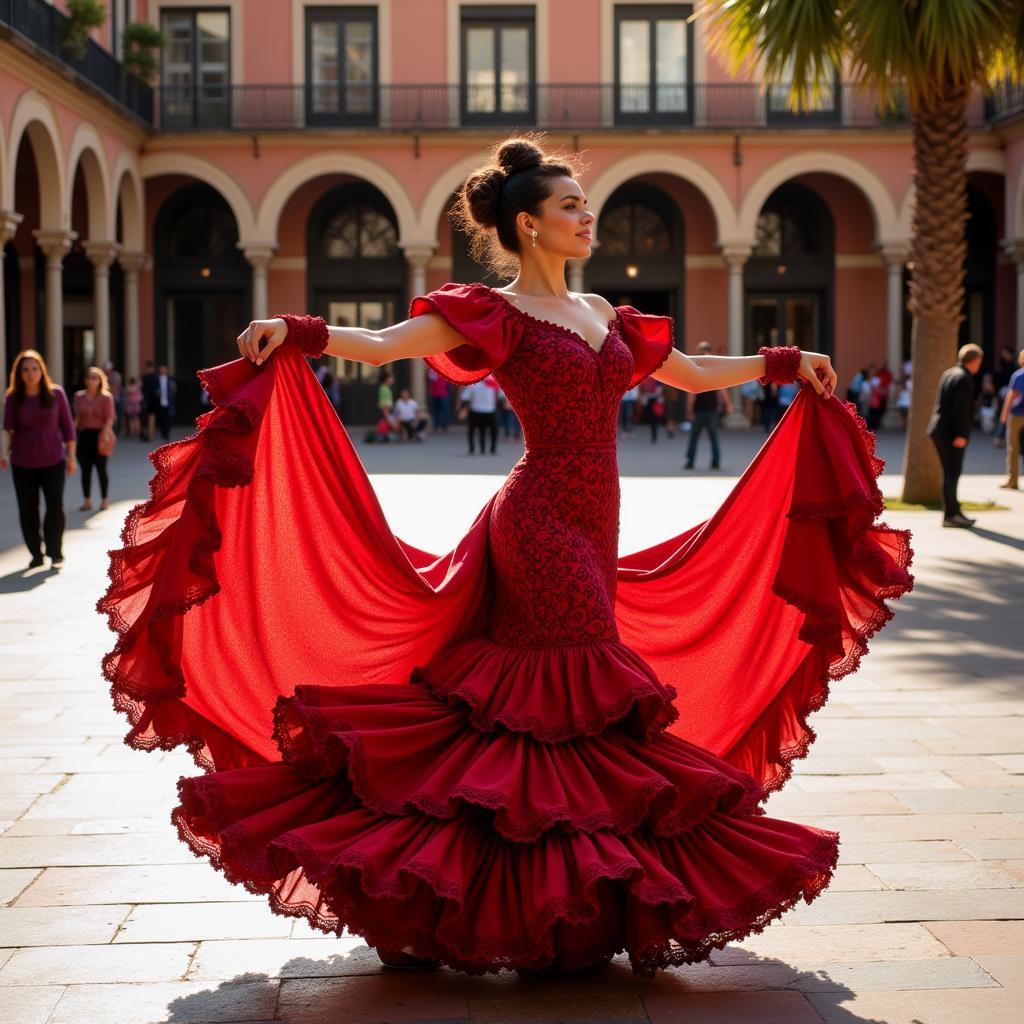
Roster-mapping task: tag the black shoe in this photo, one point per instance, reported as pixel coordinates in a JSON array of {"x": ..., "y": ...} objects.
[
  {"x": 958, "y": 520},
  {"x": 689, "y": 465},
  {"x": 715, "y": 465},
  {"x": 57, "y": 563},
  {"x": 37, "y": 560}
]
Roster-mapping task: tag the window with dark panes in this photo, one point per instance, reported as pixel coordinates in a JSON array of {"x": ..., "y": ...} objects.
[
  {"x": 498, "y": 63},
  {"x": 195, "y": 71},
  {"x": 653, "y": 62},
  {"x": 341, "y": 64}
]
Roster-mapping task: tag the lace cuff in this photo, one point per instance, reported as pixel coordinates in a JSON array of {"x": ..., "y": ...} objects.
[
  {"x": 308, "y": 333},
  {"x": 781, "y": 363}
]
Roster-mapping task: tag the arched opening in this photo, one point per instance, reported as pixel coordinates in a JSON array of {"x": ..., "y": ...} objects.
[
  {"x": 639, "y": 256},
  {"x": 356, "y": 276},
  {"x": 202, "y": 286},
  {"x": 979, "y": 308},
  {"x": 789, "y": 278}
]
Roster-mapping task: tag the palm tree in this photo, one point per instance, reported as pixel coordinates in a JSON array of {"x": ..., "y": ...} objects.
[{"x": 934, "y": 53}]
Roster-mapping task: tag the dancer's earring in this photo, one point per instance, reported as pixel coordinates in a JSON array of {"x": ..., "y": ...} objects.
[{"x": 534, "y": 233}]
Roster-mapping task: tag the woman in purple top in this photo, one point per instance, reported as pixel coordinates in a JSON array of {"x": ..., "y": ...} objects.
[{"x": 37, "y": 426}]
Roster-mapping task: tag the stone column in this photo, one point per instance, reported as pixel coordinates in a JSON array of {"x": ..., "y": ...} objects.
[
  {"x": 418, "y": 257},
  {"x": 101, "y": 255},
  {"x": 895, "y": 257},
  {"x": 736, "y": 257},
  {"x": 55, "y": 246},
  {"x": 1014, "y": 248},
  {"x": 259, "y": 257},
  {"x": 9, "y": 221},
  {"x": 131, "y": 264}
]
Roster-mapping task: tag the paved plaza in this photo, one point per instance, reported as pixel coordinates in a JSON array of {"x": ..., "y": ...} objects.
[{"x": 106, "y": 917}]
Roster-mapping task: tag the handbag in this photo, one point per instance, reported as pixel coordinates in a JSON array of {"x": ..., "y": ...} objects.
[{"x": 105, "y": 442}]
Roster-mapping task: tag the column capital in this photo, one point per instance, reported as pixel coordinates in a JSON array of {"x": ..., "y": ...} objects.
[
  {"x": 894, "y": 253},
  {"x": 1014, "y": 248},
  {"x": 101, "y": 254},
  {"x": 259, "y": 254},
  {"x": 735, "y": 254},
  {"x": 9, "y": 221},
  {"x": 55, "y": 244},
  {"x": 133, "y": 262},
  {"x": 418, "y": 253}
]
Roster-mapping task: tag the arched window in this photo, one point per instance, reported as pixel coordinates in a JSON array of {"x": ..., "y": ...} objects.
[
  {"x": 359, "y": 231},
  {"x": 202, "y": 230},
  {"x": 787, "y": 229},
  {"x": 632, "y": 231}
]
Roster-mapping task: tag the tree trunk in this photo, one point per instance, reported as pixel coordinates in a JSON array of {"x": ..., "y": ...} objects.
[{"x": 938, "y": 248}]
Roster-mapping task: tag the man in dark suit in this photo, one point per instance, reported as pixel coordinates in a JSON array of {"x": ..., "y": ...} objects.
[{"x": 950, "y": 427}]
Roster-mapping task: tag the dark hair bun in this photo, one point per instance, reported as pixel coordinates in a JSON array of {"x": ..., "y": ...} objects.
[
  {"x": 483, "y": 191},
  {"x": 518, "y": 155}
]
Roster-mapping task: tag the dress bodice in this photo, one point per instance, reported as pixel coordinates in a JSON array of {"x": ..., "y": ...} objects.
[{"x": 561, "y": 388}]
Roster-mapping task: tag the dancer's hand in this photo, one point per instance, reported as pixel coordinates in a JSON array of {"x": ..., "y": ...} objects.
[
  {"x": 817, "y": 368},
  {"x": 275, "y": 331}
]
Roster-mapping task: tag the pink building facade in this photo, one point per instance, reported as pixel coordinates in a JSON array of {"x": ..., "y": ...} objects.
[{"x": 301, "y": 156}]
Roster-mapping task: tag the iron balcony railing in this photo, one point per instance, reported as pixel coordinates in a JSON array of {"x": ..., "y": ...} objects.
[
  {"x": 44, "y": 26},
  {"x": 436, "y": 107}
]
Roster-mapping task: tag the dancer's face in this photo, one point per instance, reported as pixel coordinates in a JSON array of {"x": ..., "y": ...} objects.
[{"x": 564, "y": 226}]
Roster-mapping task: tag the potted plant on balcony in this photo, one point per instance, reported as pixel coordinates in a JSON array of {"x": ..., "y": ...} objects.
[
  {"x": 140, "y": 41},
  {"x": 83, "y": 17}
]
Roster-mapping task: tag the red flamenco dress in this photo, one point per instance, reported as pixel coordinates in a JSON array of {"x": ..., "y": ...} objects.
[{"x": 526, "y": 752}]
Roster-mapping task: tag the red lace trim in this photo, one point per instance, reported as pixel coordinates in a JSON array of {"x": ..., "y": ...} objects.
[
  {"x": 308, "y": 334},
  {"x": 781, "y": 363}
]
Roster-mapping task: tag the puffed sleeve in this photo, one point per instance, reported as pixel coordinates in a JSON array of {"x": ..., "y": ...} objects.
[
  {"x": 650, "y": 338},
  {"x": 488, "y": 322}
]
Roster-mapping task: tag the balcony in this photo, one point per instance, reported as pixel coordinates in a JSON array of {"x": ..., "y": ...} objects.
[
  {"x": 569, "y": 107},
  {"x": 44, "y": 26}
]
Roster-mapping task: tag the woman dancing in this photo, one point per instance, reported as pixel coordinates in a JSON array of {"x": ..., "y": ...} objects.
[{"x": 530, "y": 752}]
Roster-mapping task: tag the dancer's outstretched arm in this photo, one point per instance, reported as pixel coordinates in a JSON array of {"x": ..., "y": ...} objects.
[
  {"x": 706, "y": 373},
  {"x": 424, "y": 335}
]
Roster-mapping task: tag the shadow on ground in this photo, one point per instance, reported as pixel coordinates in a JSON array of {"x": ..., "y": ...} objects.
[{"x": 356, "y": 989}]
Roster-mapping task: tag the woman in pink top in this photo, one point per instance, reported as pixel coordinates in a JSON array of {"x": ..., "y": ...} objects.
[
  {"x": 94, "y": 414},
  {"x": 37, "y": 426}
]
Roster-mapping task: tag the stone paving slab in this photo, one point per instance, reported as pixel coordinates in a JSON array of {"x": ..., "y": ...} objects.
[
  {"x": 39, "y": 926},
  {"x": 105, "y": 916}
]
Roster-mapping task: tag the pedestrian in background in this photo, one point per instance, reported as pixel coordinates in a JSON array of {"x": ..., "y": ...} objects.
[
  {"x": 950, "y": 428},
  {"x": 440, "y": 404},
  {"x": 1012, "y": 415},
  {"x": 627, "y": 409},
  {"x": 407, "y": 412},
  {"x": 705, "y": 407},
  {"x": 37, "y": 430},
  {"x": 480, "y": 400},
  {"x": 133, "y": 407},
  {"x": 95, "y": 415}
]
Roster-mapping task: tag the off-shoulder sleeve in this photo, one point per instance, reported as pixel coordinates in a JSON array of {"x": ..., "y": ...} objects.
[
  {"x": 650, "y": 338},
  {"x": 487, "y": 322}
]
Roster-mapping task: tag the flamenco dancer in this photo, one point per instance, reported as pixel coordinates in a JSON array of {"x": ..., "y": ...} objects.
[{"x": 530, "y": 752}]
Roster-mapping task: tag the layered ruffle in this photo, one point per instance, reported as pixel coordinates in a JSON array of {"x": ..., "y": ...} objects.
[
  {"x": 555, "y": 692},
  {"x": 414, "y": 821},
  {"x": 598, "y": 782}
]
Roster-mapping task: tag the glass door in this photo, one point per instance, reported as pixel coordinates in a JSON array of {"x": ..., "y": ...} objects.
[{"x": 784, "y": 320}]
